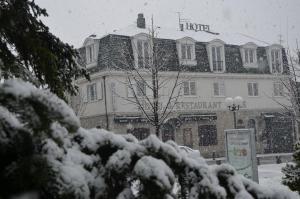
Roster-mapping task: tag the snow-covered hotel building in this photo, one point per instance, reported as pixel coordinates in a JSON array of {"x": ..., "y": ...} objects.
[{"x": 216, "y": 67}]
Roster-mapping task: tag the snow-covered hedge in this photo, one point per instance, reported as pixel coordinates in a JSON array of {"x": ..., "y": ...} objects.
[{"x": 44, "y": 150}]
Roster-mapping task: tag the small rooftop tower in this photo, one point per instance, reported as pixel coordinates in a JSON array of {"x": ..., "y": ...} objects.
[{"x": 141, "y": 23}]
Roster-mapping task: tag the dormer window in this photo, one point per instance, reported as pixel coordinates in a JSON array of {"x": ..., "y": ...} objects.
[
  {"x": 249, "y": 57},
  {"x": 216, "y": 54},
  {"x": 91, "y": 46},
  {"x": 275, "y": 58},
  {"x": 90, "y": 54},
  {"x": 275, "y": 61},
  {"x": 141, "y": 50},
  {"x": 186, "y": 51}
]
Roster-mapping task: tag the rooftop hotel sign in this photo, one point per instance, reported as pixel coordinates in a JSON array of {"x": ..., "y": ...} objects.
[{"x": 196, "y": 27}]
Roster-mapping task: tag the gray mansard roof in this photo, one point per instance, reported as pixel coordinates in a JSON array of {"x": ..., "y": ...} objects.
[{"x": 111, "y": 46}]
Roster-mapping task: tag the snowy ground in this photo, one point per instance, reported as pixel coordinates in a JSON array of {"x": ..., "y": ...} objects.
[{"x": 270, "y": 174}]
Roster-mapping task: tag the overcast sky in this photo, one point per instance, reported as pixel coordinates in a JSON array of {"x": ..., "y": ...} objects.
[{"x": 74, "y": 20}]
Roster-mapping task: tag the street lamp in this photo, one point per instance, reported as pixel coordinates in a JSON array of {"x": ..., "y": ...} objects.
[{"x": 234, "y": 105}]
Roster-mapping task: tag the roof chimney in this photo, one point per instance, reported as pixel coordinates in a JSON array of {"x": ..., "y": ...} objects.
[{"x": 141, "y": 21}]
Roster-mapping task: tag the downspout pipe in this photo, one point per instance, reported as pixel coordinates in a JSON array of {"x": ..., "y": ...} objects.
[{"x": 105, "y": 102}]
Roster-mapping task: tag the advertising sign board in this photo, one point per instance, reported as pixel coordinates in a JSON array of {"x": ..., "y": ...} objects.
[{"x": 241, "y": 152}]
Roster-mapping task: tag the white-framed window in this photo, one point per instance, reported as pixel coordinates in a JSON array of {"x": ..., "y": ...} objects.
[
  {"x": 90, "y": 53},
  {"x": 139, "y": 88},
  {"x": 143, "y": 50},
  {"x": 219, "y": 88},
  {"x": 186, "y": 51},
  {"x": 276, "y": 61},
  {"x": 278, "y": 89},
  {"x": 249, "y": 57},
  {"x": 275, "y": 58},
  {"x": 216, "y": 55},
  {"x": 91, "y": 92},
  {"x": 252, "y": 89},
  {"x": 189, "y": 88}
]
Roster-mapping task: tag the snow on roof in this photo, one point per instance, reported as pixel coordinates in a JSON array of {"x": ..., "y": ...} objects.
[{"x": 200, "y": 36}]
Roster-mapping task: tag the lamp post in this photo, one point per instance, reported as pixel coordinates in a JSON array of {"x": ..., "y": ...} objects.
[{"x": 234, "y": 105}]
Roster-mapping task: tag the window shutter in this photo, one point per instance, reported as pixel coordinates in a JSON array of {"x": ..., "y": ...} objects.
[
  {"x": 88, "y": 93},
  {"x": 146, "y": 53},
  {"x": 140, "y": 54},
  {"x": 193, "y": 88},
  {"x": 100, "y": 91},
  {"x": 250, "y": 91},
  {"x": 251, "y": 56},
  {"x": 189, "y": 52},
  {"x": 281, "y": 89},
  {"x": 94, "y": 92},
  {"x": 246, "y": 56},
  {"x": 219, "y": 59},
  {"x": 213, "y": 51},
  {"x": 186, "y": 88},
  {"x": 183, "y": 51},
  {"x": 216, "y": 89},
  {"x": 129, "y": 91},
  {"x": 221, "y": 89},
  {"x": 255, "y": 89},
  {"x": 149, "y": 91}
]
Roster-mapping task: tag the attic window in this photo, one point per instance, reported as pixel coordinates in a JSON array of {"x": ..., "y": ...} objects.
[
  {"x": 141, "y": 47},
  {"x": 249, "y": 57},
  {"x": 186, "y": 51},
  {"x": 90, "y": 53},
  {"x": 275, "y": 58},
  {"x": 143, "y": 53},
  {"x": 216, "y": 55}
]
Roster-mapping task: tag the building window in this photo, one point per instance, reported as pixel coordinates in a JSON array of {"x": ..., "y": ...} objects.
[
  {"x": 207, "y": 135},
  {"x": 249, "y": 57},
  {"x": 92, "y": 92},
  {"x": 217, "y": 60},
  {"x": 278, "y": 89},
  {"x": 143, "y": 50},
  {"x": 252, "y": 89},
  {"x": 189, "y": 88},
  {"x": 186, "y": 51},
  {"x": 219, "y": 89},
  {"x": 141, "y": 88},
  {"x": 276, "y": 61},
  {"x": 216, "y": 55},
  {"x": 168, "y": 133},
  {"x": 188, "y": 137},
  {"x": 139, "y": 133},
  {"x": 90, "y": 54},
  {"x": 138, "y": 89}
]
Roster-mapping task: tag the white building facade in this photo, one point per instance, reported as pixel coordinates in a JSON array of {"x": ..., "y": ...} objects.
[{"x": 216, "y": 67}]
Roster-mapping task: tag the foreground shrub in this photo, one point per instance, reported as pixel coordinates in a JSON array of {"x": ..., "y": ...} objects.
[{"x": 43, "y": 150}]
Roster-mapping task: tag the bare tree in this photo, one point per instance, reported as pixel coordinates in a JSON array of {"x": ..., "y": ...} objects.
[
  {"x": 147, "y": 78},
  {"x": 78, "y": 103},
  {"x": 291, "y": 87}
]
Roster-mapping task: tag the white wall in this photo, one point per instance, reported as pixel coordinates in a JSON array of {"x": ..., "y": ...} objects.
[{"x": 235, "y": 85}]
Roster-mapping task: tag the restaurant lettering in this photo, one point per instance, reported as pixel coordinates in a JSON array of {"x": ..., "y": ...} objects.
[{"x": 186, "y": 105}]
